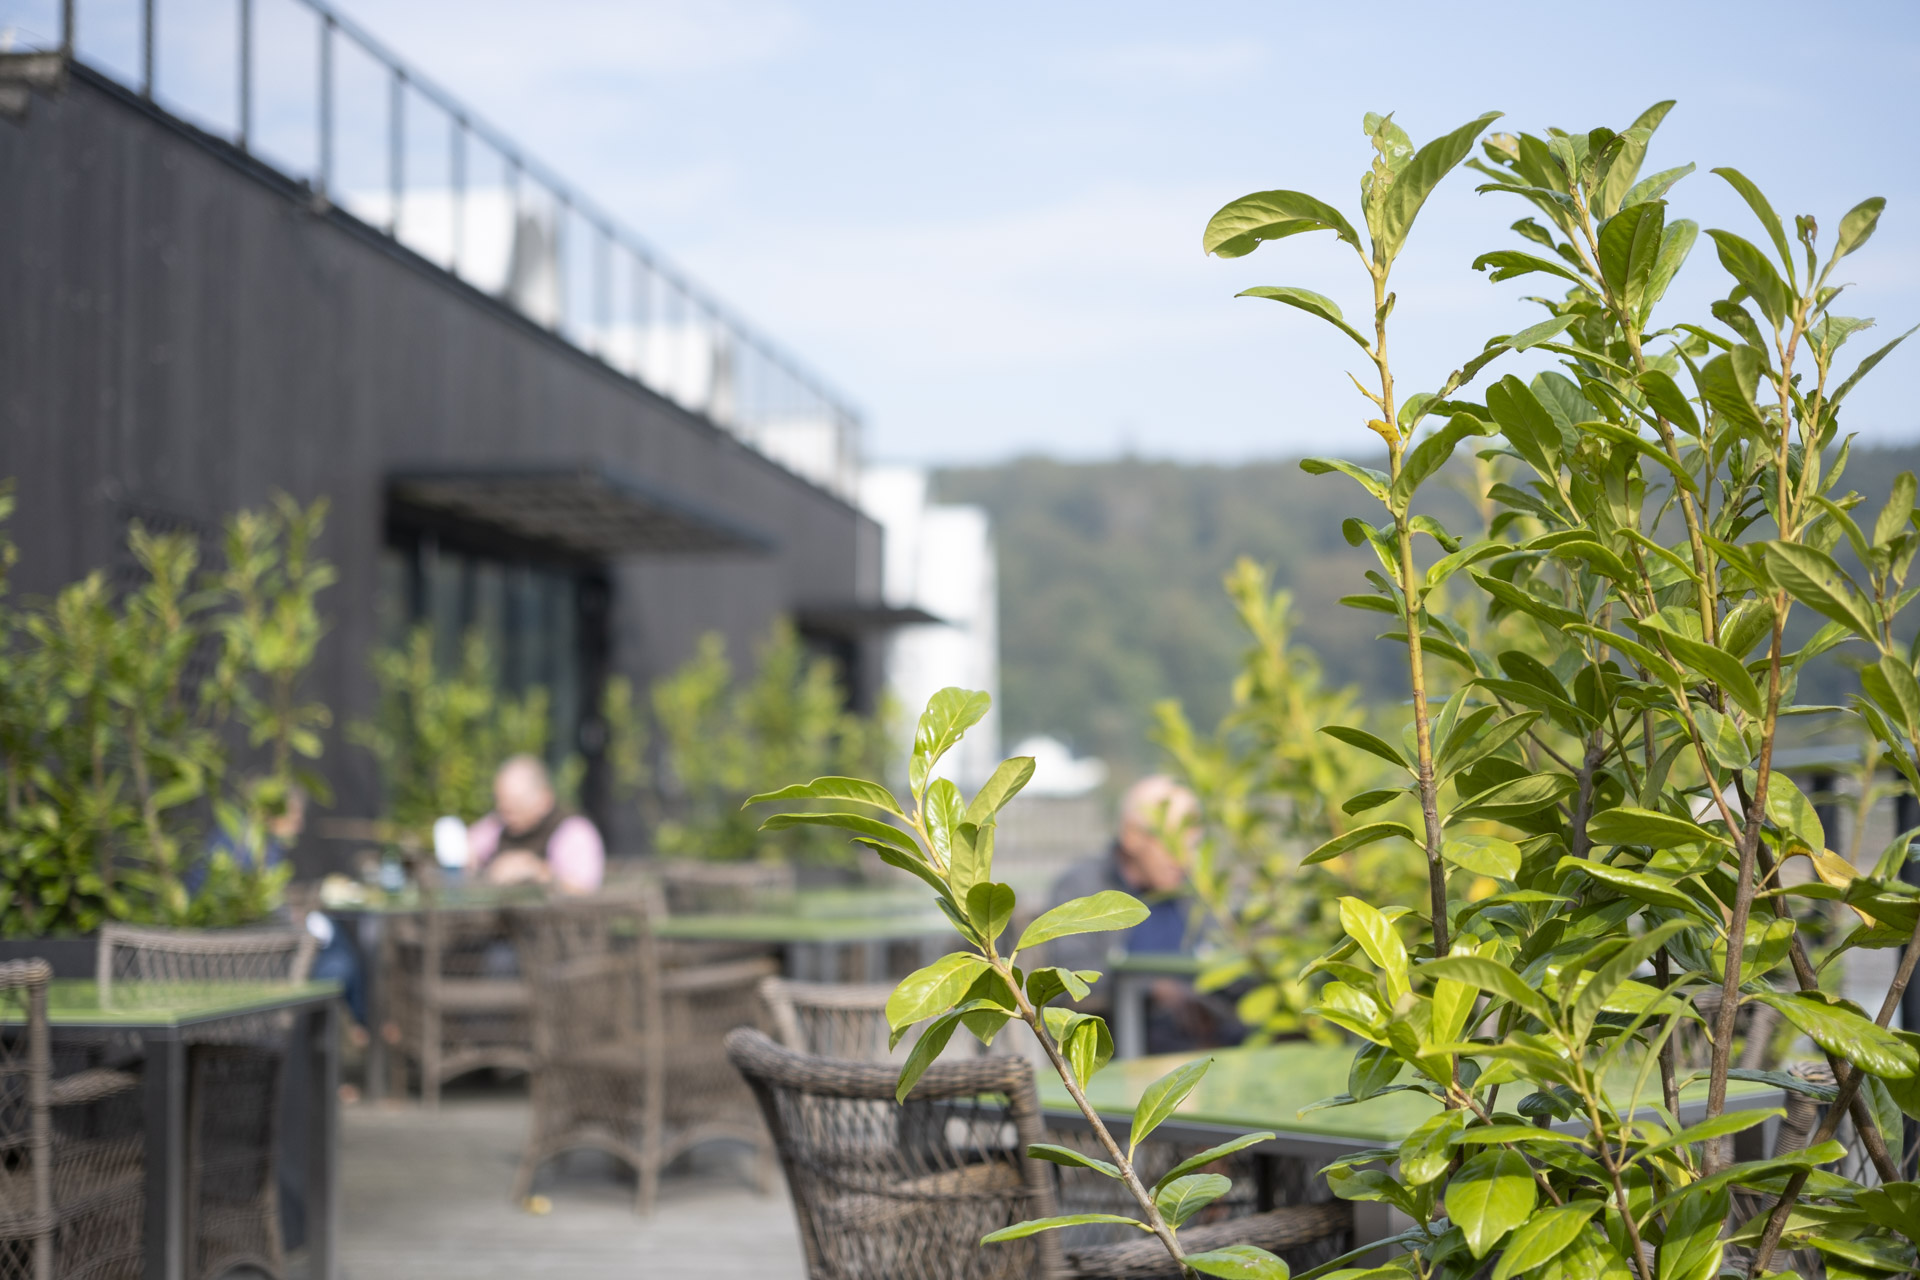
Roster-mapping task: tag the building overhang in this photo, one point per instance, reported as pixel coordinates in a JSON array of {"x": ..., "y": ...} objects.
[
  {"x": 856, "y": 621},
  {"x": 584, "y": 509}
]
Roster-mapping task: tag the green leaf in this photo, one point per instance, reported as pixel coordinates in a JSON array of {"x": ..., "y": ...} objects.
[
  {"x": 831, "y": 788},
  {"x": 1518, "y": 797},
  {"x": 1045, "y": 984},
  {"x": 1189, "y": 1194},
  {"x": 1857, "y": 227},
  {"x": 1724, "y": 386},
  {"x": 1240, "y": 1262},
  {"x": 1893, "y": 1205},
  {"x": 1638, "y": 886},
  {"x": 1866, "y": 366},
  {"x": 1508, "y": 263},
  {"x": 1718, "y": 666},
  {"x": 1526, "y": 424},
  {"x": 1629, "y": 244},
  {"x": 1358, "y": 837},
  {"x": 1759, "y": 277},
  {"x": 1720, "y": 1126},
  {"x": 1427, "y": 1152},
  {"x": 1432, "y": 453},
  {"x": 1376, "y": 935},
  {"x": 989, "y": 908},
  {"x": 1542, "y": 1237},
  {"x": 1312, "y": 303},
  {"x": 1483, "y": 855},
  {"x": 1003, "y": 786},
  {"x": 969, "y": 850},
  {"x": 931, "y": 1044},
  {"x": 1416, "y": 181},
  {"x": 1610, "y": 976},
  {"x": 1098, "y": 913},
  {"x": 1762, "y": 210},
  {"x": 1160, "y": 1099},
  {"x": 934, "y": 989},
  {"x": 1629, "y": 825},
  {"x": 1692, "y": 1248},
  {"x": 1374, "y": 482},
  {"x": 1084, "y": 1041},
  {"x": 1656, "y": 186},
  {"x": 1494, "y": 978},
  {"x": 1843, "y": 1031},
  {"x": 949, "y": 714},
  {"x": 1239, "y": 227},
  {"x": 1789, "y": 809},
  {"x": 1366, "y": 742},
  {"x": 872, "y": 828},
  {"x": 1490, "y": 1195},
  {"x": 1067, "y": 1155},
  {"x": 1033, "y": 1226},
  {"x": 1811, "y": 577},
  {"x": 1200, "y": 1160}
]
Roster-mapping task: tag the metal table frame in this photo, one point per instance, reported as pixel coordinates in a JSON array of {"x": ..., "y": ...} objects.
[{"x": 164, "y": 1039}]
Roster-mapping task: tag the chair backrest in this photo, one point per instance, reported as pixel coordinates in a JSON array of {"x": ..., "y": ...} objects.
[
  {"x": 830, "y": 1019},
  {"x": 26, "y": 1197},
  {"x": 593, "y": 968},
  {"x": 882, "y": 1188},
  {"x": 696, "y": 888},
  {"x": 142, "y": 954}
]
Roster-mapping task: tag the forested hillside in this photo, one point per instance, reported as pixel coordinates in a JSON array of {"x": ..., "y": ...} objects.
[{"x": 1110, "y": 592}]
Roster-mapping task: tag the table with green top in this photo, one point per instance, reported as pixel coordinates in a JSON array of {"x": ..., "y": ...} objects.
[
  {"x": 816, "y": 929},
  {"x": 165, "y": 1018},
  {"x": 1253, "y": 1089}
]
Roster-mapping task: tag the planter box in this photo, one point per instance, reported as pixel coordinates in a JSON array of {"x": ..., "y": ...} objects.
[{"x": 71, "y": 955}]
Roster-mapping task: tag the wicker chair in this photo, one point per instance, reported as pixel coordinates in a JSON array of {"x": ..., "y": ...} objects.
[
  {"x": 829, "y": 1019},
  {"x": 457, "y": 996},
  {"x": 135, "y": 954},
  {"x": 882, "y": 1189},
  {"x": 72, "y": 1193},
  {"x": 628, "y": 1052}
]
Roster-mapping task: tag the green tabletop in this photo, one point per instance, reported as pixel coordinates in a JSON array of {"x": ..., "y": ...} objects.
[
  {"x": 76, "y": 1001},
  {"x": 795, "y": 926},
  {"x": 1265, "y": 1088}
]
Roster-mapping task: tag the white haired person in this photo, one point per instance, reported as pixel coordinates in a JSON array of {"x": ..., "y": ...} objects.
[
  {"x": 530, "y": 839},
  {"x": 1140, "y": 861}
]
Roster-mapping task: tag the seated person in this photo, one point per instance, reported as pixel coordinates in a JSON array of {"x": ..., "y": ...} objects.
[
  {"x": 337, "y": 959},
  {"x": 530, "y": 839},
  {"x": 1140, "y": 862}
]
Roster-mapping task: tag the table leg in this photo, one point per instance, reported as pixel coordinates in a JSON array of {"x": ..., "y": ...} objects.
[
  {"x": 875, "y": 956},
  {"x": 1129, "y": 1015},
  {"x": 323, "y": 1140},
  {"x": 164, "y": 1102},
  {"x": 796, "y": 962},
  {"x": 373, "y": 973},
  {"x": 1375, "y": 1220}
]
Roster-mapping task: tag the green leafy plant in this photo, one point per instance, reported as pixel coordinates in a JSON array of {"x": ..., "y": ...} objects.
[
  {"x": 439, "y": 735},
  {"x": 946, "y": 840},
  {"x": 721, "y": 737},
  {"x": 1673, "y": 497},
  {"x": 117, "y": 749},
  {"x": 1269, "y": 785}
]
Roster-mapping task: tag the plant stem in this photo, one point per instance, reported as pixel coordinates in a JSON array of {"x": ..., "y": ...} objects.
[{"x": 1031, "y": 1016}]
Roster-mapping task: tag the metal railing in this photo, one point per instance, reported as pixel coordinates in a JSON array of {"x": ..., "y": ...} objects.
[{"x": 389, "y": 146}]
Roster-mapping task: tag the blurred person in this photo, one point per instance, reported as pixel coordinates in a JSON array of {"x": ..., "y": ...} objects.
[
  {"x": 337, "y": 959},
  {"x": 530, "y": 839},
  {"x": 1140, "y": 861}
]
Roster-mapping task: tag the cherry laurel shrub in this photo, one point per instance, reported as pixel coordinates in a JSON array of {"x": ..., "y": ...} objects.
[{"x": 1672, "y": 543}]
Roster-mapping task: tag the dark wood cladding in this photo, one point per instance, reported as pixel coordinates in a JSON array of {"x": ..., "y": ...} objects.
[{"x": 182, "y": 332}]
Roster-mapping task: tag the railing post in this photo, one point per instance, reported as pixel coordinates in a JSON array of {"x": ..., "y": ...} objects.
[
  {"x": 146, "y": 49},
  {"x": 326, "y": 106},
  {"x": 246, "y": 73},
  {"x": 563, "y": 210},
  {"x": 396, "y": 148},
  {"x": 66, "y": 29},
  {"x": 457, "y": 201}
]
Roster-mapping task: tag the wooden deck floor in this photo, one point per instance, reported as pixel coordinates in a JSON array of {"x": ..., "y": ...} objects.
[{"x": 425, "y": 1194}]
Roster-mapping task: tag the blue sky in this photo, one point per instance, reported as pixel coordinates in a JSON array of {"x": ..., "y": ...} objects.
[{"x": 982, "y": 221}]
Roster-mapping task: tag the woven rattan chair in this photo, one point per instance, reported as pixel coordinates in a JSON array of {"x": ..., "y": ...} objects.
[
  {"x": 884, "y": 1190},
  {"x": 629, "y": 1056},
  {"x": 135, "y": 954},
  {"x": 457, "y": 996},
  {"x": 72, "y": 1196},
  {"x": 830, "y": 1019}
]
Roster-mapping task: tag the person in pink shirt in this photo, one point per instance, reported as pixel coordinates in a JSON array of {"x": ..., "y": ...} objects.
[{"x": 530, "y": 839}]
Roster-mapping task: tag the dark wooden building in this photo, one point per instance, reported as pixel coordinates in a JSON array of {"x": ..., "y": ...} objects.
[{"x": 184, "y": 330}]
